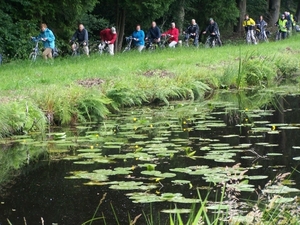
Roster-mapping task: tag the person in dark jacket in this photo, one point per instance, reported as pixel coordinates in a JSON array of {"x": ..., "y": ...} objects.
[
  {"x": 192, "y": 31},
  {"x": 213, "y": 30},
  {"x": 153, "y": 34},
  {"x": 81, "y": 35}
]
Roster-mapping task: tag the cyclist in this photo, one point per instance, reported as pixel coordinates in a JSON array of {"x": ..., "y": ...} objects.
[
  {"x": 48, "y": 38},
  {"x": 81, "y": 35},
  {"x": 192, "y": 31},
  {"x": 289, "y": 24},
  {"x": 282, "y": 27},
  {"x": 138, "y": 38},
  {"x": 153, "y": 34},
  {"x": 249, "y": 24},
  {"x": 214, "y": 31},
  {"x": 261, "y": 28},
  {"x": 109, "y": 36},
  {"x": 173, "y": 33}
]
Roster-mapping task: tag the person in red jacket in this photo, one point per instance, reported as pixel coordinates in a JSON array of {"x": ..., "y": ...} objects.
[
  {"x": 109, "y": 37},
  {"x": 173, "y": 33}
]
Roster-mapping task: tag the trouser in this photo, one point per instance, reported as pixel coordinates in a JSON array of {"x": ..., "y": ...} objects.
[
  {"x": 111, "y": 49},
  {"x": 282, "y": 34},
  {"x": 217, "y": 37},
  {"x": 250, "y": 37},
  {"x": 172, "y": 44},
  {"x": 140, "y": 47},
  {"x": 85, "y": 49},
  {"x": 47, "y": 53},
  {"x": 195, "y": 37}
]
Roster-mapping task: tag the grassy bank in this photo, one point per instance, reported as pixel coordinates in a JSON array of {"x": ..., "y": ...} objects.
[{"x": 78, "y": 89}]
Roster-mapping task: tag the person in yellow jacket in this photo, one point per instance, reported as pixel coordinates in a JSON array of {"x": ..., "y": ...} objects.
[
  {"x": 282, "y": 27},
  {"x": 249, "y": 25}
]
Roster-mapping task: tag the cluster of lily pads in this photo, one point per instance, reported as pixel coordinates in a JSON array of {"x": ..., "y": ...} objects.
[{"x": 146, "y": 152}]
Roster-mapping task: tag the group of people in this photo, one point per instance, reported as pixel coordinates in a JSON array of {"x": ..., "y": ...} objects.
[
  {"x": 108, "y": 36},
  {"x": 285, "y": 25}
]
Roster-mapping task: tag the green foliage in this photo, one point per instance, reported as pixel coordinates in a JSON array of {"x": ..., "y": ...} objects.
[{"x": 20, "y": 117}]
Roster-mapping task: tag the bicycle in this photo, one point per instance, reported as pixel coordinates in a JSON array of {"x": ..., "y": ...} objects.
[
  {"x": 75, "y": 48},
  {"x": 165, "y": 41},
  {"x": 211, "y": 41},
  {"x": 103, "y": 48},
  {"x": 150, "y": 45},
  {"x": 261, "y": 35},
  {"x": 35, "y": 51},
  {"x": 129, "y": 42}
]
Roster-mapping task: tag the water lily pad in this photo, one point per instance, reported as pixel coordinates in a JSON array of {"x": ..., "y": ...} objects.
[
  {"x": 176, "y": 211},
  {"x": 180, "y": 182},
  {"x": 218, "y": 207},
  {"x": 257, "y": 177}
]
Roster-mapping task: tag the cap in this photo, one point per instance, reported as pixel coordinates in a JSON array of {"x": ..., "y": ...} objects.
[
  {"x": 113, "y": 30},
  {"x": 210, "y": 19}
]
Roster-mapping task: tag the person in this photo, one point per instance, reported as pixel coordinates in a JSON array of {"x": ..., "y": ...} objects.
[
  {"x": 261, "y": 27},
  {"x": 138, "y": 38},
  {"x": 249, "y": 24},
  {"x": 81, "y": 35},
  {"x": 109, "y": 36},
  {"x": 192, "y": 31},
  {"x": 153, "y": 34},
  {"x": 173, "y": 34},
  {"x": 48, "y": 38},
  {"x": 214, "y": 31},
  {"x": 282, "y": 28},
  {"x": 289, "y": 23}
]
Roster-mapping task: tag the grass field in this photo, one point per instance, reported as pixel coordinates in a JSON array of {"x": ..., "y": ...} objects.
[{"x": 74, "y": 89}]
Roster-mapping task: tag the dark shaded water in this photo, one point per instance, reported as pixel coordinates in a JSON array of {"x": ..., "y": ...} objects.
[{"x": 41, "y": 190}]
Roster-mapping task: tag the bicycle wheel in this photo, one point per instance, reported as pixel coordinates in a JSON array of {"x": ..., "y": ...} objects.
[
  {"x": 207, "y": 43},
  {"x": 32, "y": 56},
  {"x": 126, "y": 49}
]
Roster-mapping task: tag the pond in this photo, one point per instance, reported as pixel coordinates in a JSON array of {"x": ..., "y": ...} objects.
[{"x": 151, "y": 161}]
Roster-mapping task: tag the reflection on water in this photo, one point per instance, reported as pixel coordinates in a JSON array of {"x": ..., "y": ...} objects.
[{"x": 160, "y": 151}]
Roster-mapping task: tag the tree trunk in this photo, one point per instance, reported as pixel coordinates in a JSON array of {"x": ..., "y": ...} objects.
[
  {"x": 120, "y": 26},
  {"x": 242, "y": 5},
  {"x": 274, "y": 10},
  {"x": 181, "y": 15},
  {"x": 297, "y": 15}
]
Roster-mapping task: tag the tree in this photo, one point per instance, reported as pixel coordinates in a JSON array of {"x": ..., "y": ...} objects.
[
  {"x": 242, "y": 6},
  {"x": 274, "y": 11},
  {"x": 297, "y": 14}
]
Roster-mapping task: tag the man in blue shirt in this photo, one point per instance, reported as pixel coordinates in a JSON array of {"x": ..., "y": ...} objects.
[
  {"x": 48, "y": 38},
  {"x": 138, "y": 38}
]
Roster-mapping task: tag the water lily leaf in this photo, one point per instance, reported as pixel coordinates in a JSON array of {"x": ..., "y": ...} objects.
[
  {"x": 282, "y": 200},
  {"x": 280, "y": 189},
  {"x": 218, "y": 207},
  {"x": 175, "y": 211},
  {"x": 180, "y": 182},
  {"x": 88, "y": 162},
  {"x": 88, "y": 150},
  {"x": 257, "y": 177},
  {"x": 274, "y": 154}
]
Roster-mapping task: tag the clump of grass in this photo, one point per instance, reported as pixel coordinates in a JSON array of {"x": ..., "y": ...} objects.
[{"x": 20, "y": 117}]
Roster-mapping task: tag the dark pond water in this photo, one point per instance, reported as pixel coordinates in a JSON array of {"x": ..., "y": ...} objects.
[{"x": 160, "y": 155}]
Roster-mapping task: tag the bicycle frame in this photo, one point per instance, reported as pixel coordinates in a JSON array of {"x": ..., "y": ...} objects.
[
  {"x": 129, "y": 42},
  {"x": 75, "y": 48},
  {"x": 35, "y": 52}
]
